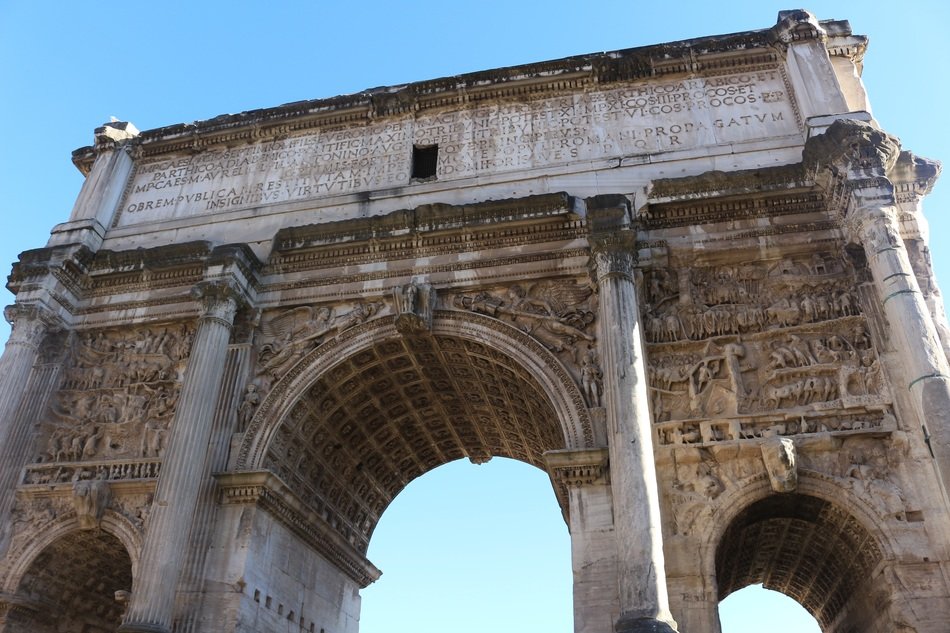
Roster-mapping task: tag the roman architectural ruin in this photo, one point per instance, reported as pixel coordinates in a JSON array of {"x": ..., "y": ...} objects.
[{"x": 690, "y": 281}]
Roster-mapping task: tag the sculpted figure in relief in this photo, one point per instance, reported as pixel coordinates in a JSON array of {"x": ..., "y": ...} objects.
[
  {"x": 592, "y": 379},
  {"x": 746, "y": 298},
  {"x": 557, "y": 314},
  {"x": 288, "y": 336},
  {"x": 118, "y": 387}
]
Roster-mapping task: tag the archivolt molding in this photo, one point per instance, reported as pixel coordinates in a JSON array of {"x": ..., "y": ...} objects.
[
  {"x": 553, "y": 378},
  {"x": 21, "y": 556},
  {"x": 736, "y": 499}
]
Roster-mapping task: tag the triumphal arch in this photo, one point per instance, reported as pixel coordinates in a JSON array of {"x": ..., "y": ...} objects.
[{"x": 690, "y": 281}]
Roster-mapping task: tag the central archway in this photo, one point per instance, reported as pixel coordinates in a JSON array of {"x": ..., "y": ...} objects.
[{"x": 359, "y": 418}]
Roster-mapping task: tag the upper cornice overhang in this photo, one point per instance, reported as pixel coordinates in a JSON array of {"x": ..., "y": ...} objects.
[
  {"x": 717, "y": 196},
  {"x": 731, "y": 52}
]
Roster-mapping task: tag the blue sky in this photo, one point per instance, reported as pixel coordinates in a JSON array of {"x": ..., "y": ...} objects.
[{"x": 66, "y": 67}]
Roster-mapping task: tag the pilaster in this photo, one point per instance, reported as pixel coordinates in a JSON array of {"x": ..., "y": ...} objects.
[
  {"x": 170, "y": 520},
  {"x": 583, "y": 477},
  {"x": 644, "y": 604}
]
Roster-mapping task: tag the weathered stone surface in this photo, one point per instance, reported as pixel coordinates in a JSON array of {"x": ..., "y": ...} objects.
[{"x": 254, "y": 331}]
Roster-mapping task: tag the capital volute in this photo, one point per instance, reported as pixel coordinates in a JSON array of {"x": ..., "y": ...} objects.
[{"x": 218, "y": 300}]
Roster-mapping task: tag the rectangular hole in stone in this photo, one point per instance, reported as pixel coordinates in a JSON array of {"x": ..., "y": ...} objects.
[{"x": 424, "y": 161}]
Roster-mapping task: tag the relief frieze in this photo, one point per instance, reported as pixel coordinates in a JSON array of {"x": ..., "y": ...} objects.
[
  {"x": 806, "y": 368},
  {"x": 703, "y": 302},
  {"x": 117, "y": 395}
]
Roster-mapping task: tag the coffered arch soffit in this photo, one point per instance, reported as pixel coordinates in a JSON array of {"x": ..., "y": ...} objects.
[{"x": 546, "y": 376}]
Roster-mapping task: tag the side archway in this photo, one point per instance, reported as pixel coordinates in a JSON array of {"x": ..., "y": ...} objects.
[
  {"x": 814, "y": 545},
  {"x": 66, "y": 578}
]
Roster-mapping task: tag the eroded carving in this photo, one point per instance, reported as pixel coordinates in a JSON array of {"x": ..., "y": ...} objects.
[
  {"x": 117, "y": 396},
  {"x": 90, "y": 499},
  {"x": 699, "y": 303},
  {"x": 414, "y": 304},
  {"x": 781, "y": 462},
  {"x": 287, "y": 336}
]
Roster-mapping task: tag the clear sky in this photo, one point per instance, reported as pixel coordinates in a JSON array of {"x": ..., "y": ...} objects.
[{"x": 66, "y": 67}]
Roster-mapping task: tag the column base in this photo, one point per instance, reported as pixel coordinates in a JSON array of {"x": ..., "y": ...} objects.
[
  {"x": 142, "y": 627},
  {"x": 635, "y": 624}
]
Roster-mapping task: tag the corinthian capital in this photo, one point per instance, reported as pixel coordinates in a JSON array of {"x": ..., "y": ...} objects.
[
  {"x": 218, "y": 300},
  {"x": 613, "y": 254},
  {"x": 29, "y": 323}
]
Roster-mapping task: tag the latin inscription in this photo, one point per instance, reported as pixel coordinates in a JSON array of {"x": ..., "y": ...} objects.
[{"x": 641, "y": 119}]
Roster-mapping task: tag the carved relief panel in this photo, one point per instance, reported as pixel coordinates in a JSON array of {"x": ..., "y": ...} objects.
[
  {"x": 117, "y": 395},
  {"x": 760, "y": 349}
]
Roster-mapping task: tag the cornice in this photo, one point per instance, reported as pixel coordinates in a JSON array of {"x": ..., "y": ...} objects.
[
  {"x": 425, "y": 231},
  {"x": 723, "y": 196}
]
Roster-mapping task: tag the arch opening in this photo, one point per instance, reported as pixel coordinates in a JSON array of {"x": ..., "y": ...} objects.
[
  {"x": 398, "y": 408},
  {"x": 73, "y": 584},
  {"x": 485, "y": 541},
  {"x": 745, "y": 610},
  {"x": 804, "y": 547}
]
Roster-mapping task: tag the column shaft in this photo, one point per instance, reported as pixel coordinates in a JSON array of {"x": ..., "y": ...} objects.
[
  {"x": 915, "y": 335},
  {"x": 643, "y": 595},
  {"x": 170, "y": 519},
  {"x": 16, "y": 365}
]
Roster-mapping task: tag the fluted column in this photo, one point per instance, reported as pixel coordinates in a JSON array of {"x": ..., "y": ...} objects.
[
  {"x": 855, "y": 164},
  {"x": 170, "y": 518},
  {"x": 644, "y": 603},
  {"x": 913, "y": 331},
  {"x": 30, "y": 325}
]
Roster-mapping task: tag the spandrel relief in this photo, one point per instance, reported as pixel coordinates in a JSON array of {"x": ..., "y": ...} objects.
[
  {"x": 117, "y": 396},
  {"x": 558, "y": 314},
  {"x": 865, "y": 467},
  {"x": 286, "y": 336}
]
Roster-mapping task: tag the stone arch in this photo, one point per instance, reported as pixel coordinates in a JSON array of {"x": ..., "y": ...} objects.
[
  {"x": 364, "y": 414},
  {"x": 64, "y": 575},
  {"x": 818, "y": 545},
  {"x": 565, "y": 396}
]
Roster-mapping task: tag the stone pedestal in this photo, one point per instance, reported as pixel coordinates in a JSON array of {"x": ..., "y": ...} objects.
[
  {"x": 170, "y": 518},
  {"x": 642, "y": 578}
]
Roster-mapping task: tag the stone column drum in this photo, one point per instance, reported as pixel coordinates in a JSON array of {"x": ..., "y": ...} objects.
[
  {"x": 153, "y": 593},
  {"x": 644, "y": 603}
]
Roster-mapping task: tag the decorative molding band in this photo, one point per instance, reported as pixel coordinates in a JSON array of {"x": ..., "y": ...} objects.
[{"x": 265, "y": 490}]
